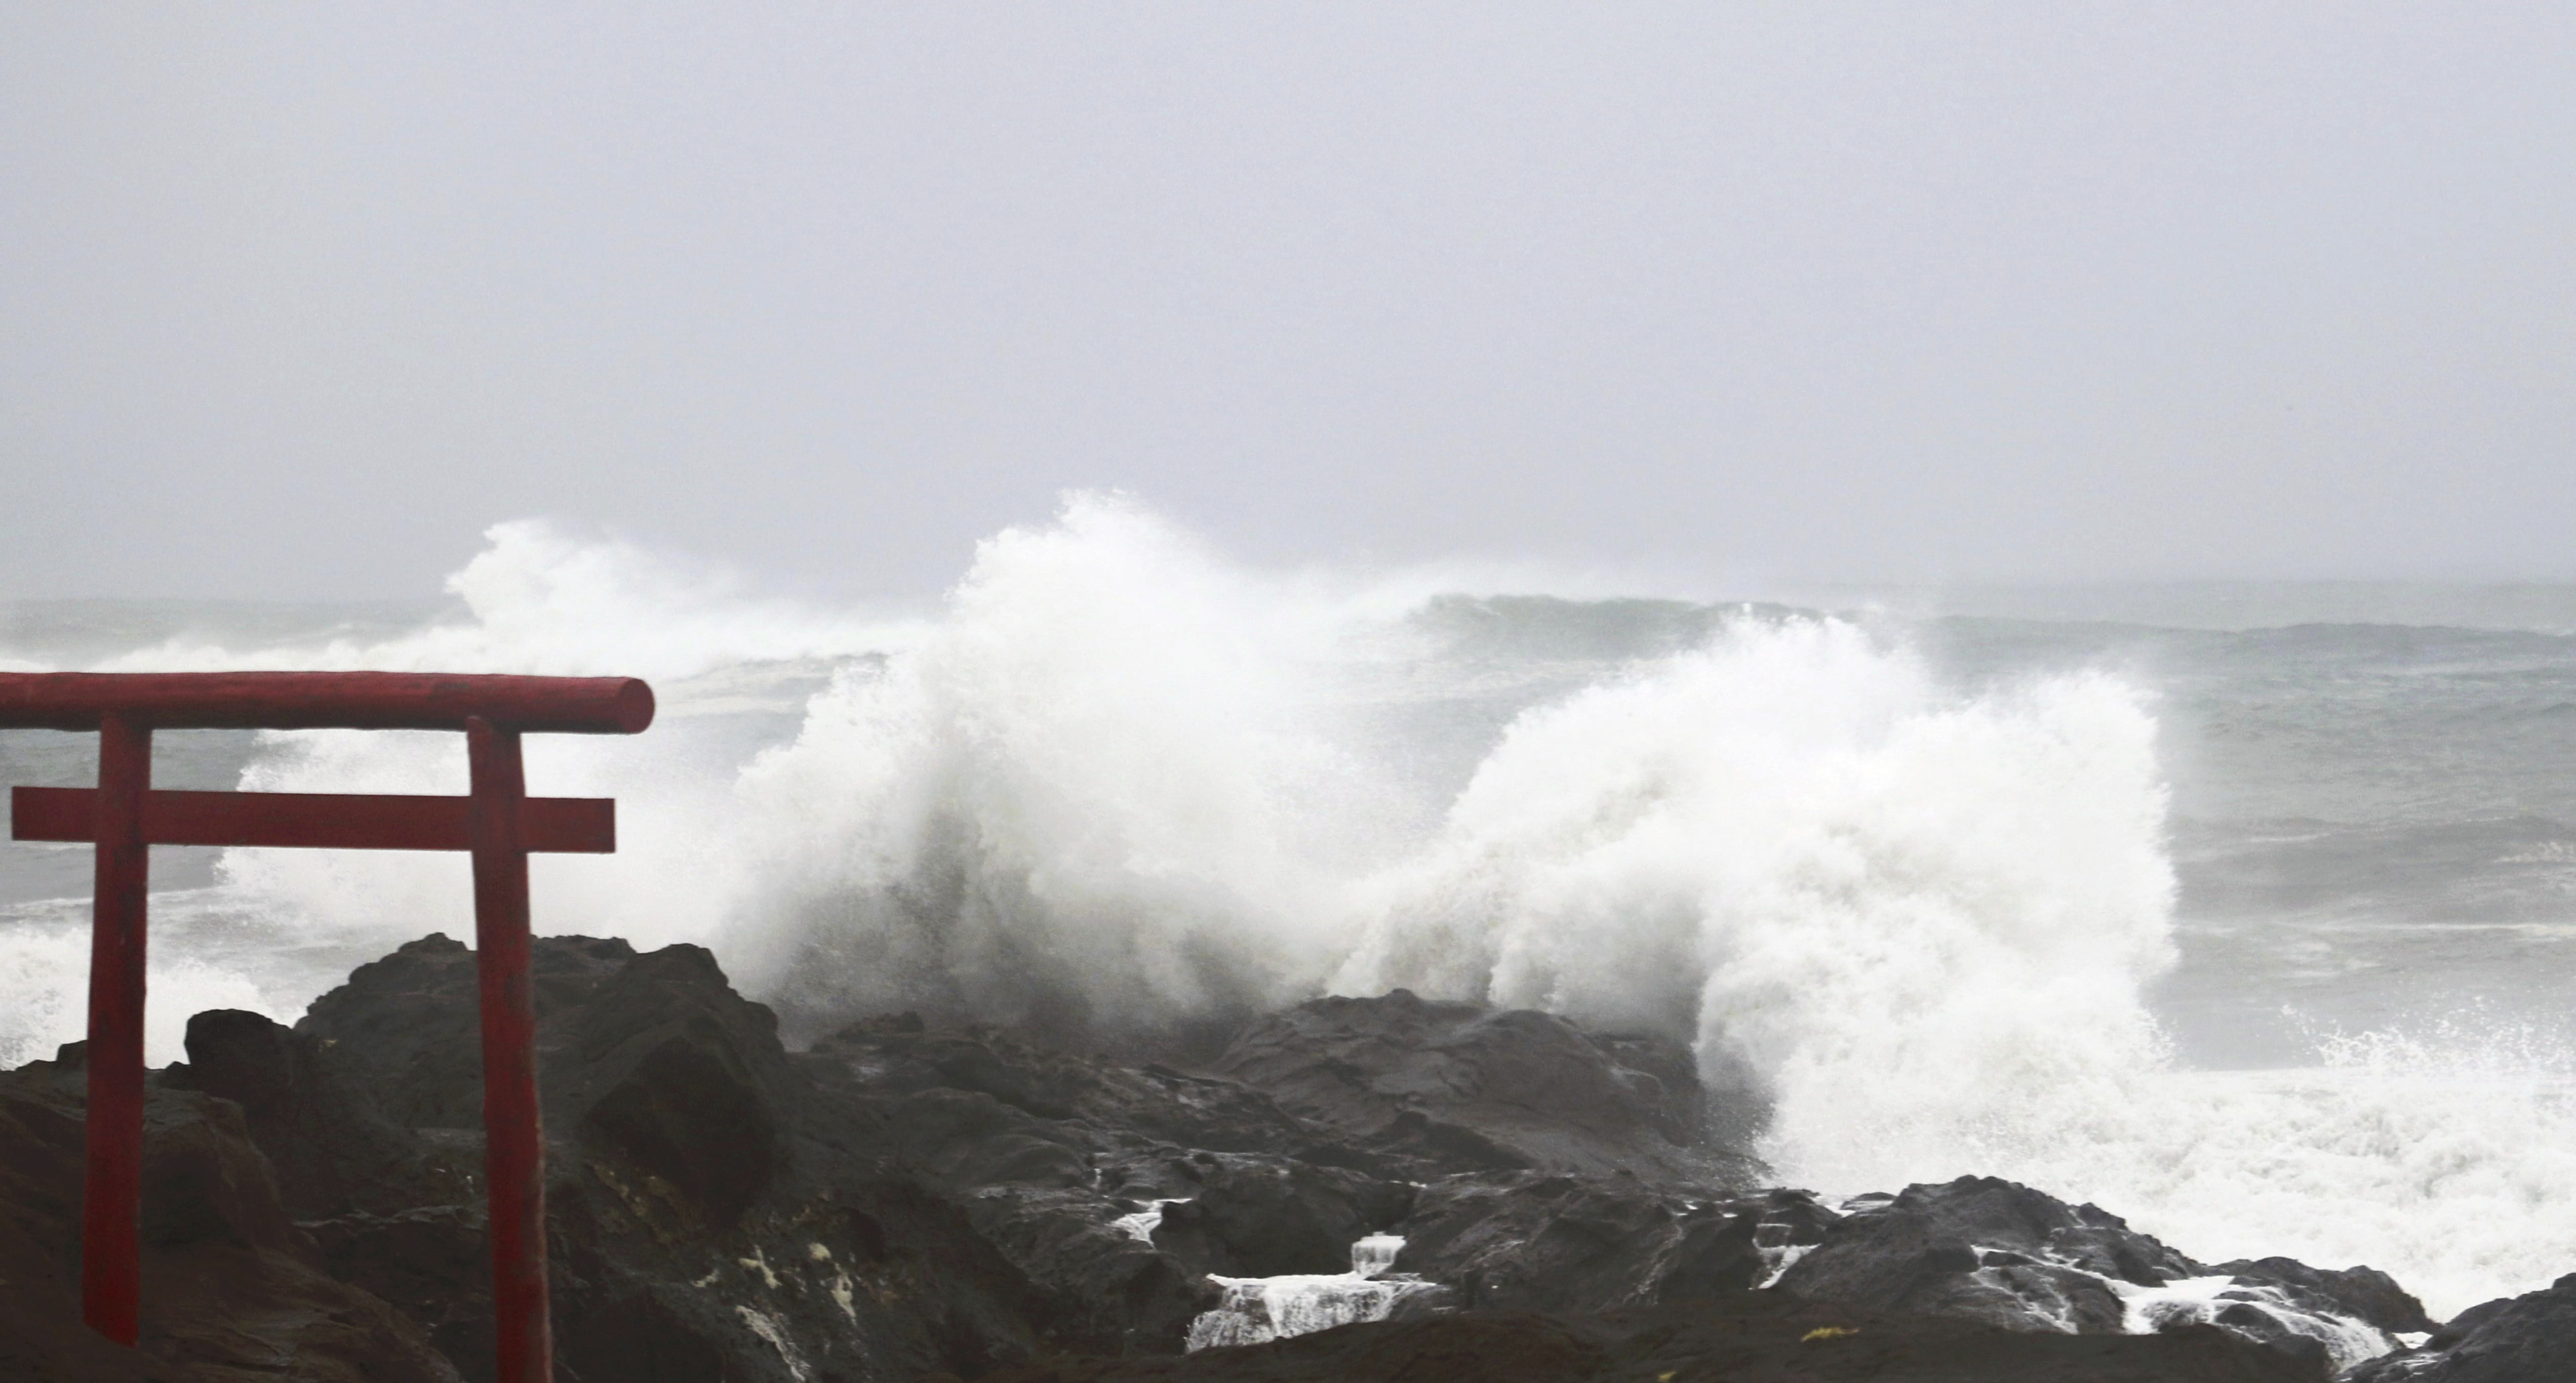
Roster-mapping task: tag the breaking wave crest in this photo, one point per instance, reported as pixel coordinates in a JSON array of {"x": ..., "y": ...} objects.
[
  {"x": 1093, "y": 795},
  {"x": 1888, "y": 906}
]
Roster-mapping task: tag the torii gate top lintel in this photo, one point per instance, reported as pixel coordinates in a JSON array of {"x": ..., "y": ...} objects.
[
  {"x": 325, "y": 701},
  {"x": 498, "y": 823}
]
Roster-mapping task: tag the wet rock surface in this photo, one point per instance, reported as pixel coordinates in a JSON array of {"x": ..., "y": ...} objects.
[
  {"x": 1468, "y": 1087},
  {"x": 317, "y": 1118},
  {"x": 1529, "y": 1242},
  {"x": 709, "y": 1216},
  {"x": 1753, "y": 1338},
  {"x": 2513, "y": 1340},
  {"x": 41, "y": 1335},
  {"x": 907, "y": 1200},
  {"x": 236, "y": 1289},
  {"x": 1984, "y": 1249}
]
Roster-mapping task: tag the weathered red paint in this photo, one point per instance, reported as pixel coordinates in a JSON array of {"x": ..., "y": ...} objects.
[
  {"x": 330, "y": 821},
  {"x": 514, "y": 1142},
  {"x": 112, "y": 1186},
  {"x": 497, "y": 822},
  {"x": 325, "y": 701}
]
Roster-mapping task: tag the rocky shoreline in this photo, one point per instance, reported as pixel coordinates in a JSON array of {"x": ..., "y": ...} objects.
[{"x": 1350, "y": 1189}]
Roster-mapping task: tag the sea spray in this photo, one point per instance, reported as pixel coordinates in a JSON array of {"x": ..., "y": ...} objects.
[
  {"x": 1085, "y": 798},
  {"x": 1794, "y": 846},
  {"x": 44, "y": 978},
  {"x": 2441, "y": 1160}
]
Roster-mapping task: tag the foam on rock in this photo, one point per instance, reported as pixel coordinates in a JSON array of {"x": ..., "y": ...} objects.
[{"x": 1257, "y": 1310}]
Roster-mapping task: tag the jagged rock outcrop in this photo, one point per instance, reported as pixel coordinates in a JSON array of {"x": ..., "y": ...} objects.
[
  {"x": 2511, "y": 1340},
  {"x": 707, "y": 1212},
  {"x": 2362, "y": 1293},
  {"x": 1047, "y": 1152},
  {"x": 318, "y": 1121},
  {"x": 906, "y": 1200},
  {"x": 1754, "y": 1337},
  {"x": 42, "y": 1338},
  {"x": 1989, "y": 1250},
  {"x": 234, "y": 1290},
  {"x": 1984, "y": 1249},
  {"x": 405, "y": 1027},
  {"x": 1530, "y": 1242}
]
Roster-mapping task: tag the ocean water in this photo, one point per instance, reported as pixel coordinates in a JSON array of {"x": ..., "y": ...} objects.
[{"x": 2247, "y": 912}]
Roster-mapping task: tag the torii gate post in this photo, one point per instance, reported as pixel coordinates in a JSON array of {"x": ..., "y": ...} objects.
[{"x": 498, "y": 822}]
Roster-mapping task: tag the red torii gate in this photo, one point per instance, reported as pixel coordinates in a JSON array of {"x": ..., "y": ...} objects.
[{"x": 499, "y": 823}]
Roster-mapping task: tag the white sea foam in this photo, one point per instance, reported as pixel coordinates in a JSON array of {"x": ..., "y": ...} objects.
[
  {"x": 1896, "y": 907},
  {"x": 2446, "y": 1171},
  {"x": 44, "y": 970},
  {"x": 2200, "y": 1300},
  {"x": 1255, "y": 1310},
  {"x": 1140, "y": 1225},
  {"x": 1375, "y": 1254},
  {"x": 1118, "y": 779},
  {"x": 1088, "y": 793}
]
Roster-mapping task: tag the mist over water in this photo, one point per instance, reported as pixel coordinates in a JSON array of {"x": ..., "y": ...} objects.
[{"x": 2022, "y": 895}]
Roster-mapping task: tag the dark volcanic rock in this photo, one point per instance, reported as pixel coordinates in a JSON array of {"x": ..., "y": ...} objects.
[
  {"x": 1559, "y": 1243},
  {"x": 42, "y": 1338},
  {"x": 406, "y": 1026},
  {"x": 1755, "y": 1337},
  {"x": 1264, "y": 1218},
  {"x": 899, "y": 1055},
  {"x": 332, "y": 1147},
  {"x": 1483, "y": 1347},
  {"x": 1046, "y": 1151},
  {"x": 907, "y": 1199},
  {"x": 232, "y": 1289},
  {"x": 1988, "y": 1250},
  {"x": 679, "y": 1078},
  {"x": 2514, "y": 1340},
  {"x": 2365, "y": 1294},
  {"x": 1984, "y": 1249},
  {"x": 432, "y": 1264},
  {"x": 703, "y": 1203},
  {"x": 1476, "y": 1088}
]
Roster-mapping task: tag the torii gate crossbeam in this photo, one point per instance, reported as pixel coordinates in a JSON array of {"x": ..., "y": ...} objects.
[{"x": 497, "y": 822}]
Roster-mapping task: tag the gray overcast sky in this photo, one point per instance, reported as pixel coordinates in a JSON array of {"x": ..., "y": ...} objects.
[{"x": 295, "y": 299}]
